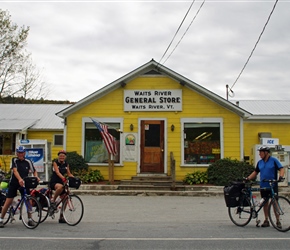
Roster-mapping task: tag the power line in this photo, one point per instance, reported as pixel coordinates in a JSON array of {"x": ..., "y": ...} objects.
[
  {"x": 176, "y": 32},
  {"x": 185, "y": 31},
  {"x": 255, "y": 44}
]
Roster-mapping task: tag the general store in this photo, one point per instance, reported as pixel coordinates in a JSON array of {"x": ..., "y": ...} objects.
[{"x": 157, "y": 115}]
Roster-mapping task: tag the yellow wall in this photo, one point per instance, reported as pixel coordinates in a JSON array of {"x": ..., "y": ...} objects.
[
  {"x": 46, "y": 135},
  {"x": 194, "y": 105},
  {"x": 251, "y": 130}
]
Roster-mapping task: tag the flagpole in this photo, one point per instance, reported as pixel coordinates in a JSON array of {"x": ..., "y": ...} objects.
[{"x": 111, "y": 169}]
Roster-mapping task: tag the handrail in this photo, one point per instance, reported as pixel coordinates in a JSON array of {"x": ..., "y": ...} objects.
[{"x": 172, "y": 168}]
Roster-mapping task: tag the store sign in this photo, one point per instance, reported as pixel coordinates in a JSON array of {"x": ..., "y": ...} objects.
[
  {"x": 36, "y": 156},
  {"x": 153, "y": 100},
  {"x": 269, "y": 141}
]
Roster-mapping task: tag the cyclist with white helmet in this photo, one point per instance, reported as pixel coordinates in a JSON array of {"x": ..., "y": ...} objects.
[
  {"x": 268, "y": 168},
  {"x": 21, "y": 167}
]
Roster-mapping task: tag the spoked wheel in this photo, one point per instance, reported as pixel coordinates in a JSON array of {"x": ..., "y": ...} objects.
[
  {"x": 72, "y": 209},
  {"x": 241, "y": 215},
  {"x": 7, "y": 215},
  {"x": 30, "y": 212},
  {"x": 45, "y": 204},
  {"x": 279, "y": 213}
]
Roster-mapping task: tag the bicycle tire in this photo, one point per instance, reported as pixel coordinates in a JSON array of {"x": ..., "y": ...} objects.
[
  {"x": 72, "y": 209},
  {"x": 30, "y": 212},
  {"x": 7, "y": 216},
  {"x": 45, "y": 205},
  {"x": 283, "y": 208},
  {"x": 241, "y": 215}
]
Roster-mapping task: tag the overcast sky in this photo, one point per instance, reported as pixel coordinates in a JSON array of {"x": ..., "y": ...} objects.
[{"x": 81, "y": 46}]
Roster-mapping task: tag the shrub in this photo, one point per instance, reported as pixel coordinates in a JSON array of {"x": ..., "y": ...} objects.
[
  {"x": 89, "y": 176},
  {"x": 75, "y": 161},
  {"x": 226, "y": 170},
  {"x": 197, "y": 177}
]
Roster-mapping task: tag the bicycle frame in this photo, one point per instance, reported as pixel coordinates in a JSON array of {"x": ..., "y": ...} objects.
[{"x": 23, "y": 198}]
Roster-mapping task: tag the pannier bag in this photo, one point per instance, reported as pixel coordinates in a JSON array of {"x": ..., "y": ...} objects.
[
  {"x": 233, "y": 193},
  {"x": 30, "y": 182},
  {"x": 74, "y": 182},
  {"x": 2, "y": 201},
  {"x": 41, "y": 198}
]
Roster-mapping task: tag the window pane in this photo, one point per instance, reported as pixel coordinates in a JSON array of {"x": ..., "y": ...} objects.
[
  {"x": 58, "y": 140},
  {"x": 95, "y": 150},
  {"x": 201, "y": 143},
  {"x": 152, "y": 136}
]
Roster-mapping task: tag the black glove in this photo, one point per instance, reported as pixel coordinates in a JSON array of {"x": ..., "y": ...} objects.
[{"x": 281, "y": 179}]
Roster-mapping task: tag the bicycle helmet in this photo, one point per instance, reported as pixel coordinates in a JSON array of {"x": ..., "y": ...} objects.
[
  {"x": 61, "y": 152},
  {"x": 20, "y": 149},
  {"x": 264, "y": 148}
]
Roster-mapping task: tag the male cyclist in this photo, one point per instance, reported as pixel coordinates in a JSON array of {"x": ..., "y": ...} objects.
[
  {"x": 21, "y": 167},
  {"x": 268, "y": 167}
]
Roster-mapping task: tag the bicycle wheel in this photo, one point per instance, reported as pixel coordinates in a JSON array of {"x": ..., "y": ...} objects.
[
  {"x": 279, "y": 211},
  {"x": 7, "y": 216},
  {"x": 241, "y": 215},
  {"x": 72, "y": 209},
  {"x": 30, "y": 212},
  {"x": 45, "y": 204}
]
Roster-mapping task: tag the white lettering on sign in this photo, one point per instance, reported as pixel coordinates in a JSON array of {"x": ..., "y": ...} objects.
[{"x": 153, "y": 100}]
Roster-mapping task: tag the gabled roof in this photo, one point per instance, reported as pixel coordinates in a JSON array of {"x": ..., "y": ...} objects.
[
  {"x": 20, "y": 117},
  {"x": 266, "y": 109},
  {"x": 152, "y": 67}
]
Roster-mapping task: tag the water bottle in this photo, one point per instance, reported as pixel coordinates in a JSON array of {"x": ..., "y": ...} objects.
[
  {"x": 261, "y": 202},
  {"x": 256, "y": 203}
]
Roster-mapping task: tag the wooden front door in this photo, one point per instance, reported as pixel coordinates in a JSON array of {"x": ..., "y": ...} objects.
[{"x": 152, "y": 147}]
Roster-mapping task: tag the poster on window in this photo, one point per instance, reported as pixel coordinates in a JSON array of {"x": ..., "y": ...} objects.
[
  {"x": 130, "y": 147},
  {"x": 36, "y": 156}
]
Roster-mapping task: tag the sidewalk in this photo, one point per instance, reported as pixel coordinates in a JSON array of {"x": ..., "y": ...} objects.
[{"x": 193, "y": 190}]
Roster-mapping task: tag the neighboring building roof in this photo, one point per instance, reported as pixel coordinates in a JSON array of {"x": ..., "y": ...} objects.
[
  {"x": 20, "y": 117},
  {"x": 266, "y": 109},
  {"x": 153, "y": 68}
]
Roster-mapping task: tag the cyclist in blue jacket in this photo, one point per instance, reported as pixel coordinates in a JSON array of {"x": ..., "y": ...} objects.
[{"x": 268, "y": 168}]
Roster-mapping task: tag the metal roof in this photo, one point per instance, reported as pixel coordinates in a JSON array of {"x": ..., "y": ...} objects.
[
  {"x": 153, "y": 67},
  {"x": 266, "y": 107},
  {"x": 19, "y": 117}
]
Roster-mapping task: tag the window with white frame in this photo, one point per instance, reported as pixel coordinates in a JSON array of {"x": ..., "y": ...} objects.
[
  {"x": 202, "y": 141},
  {"x": 58, "y": 140},
  {"x": 94, "y": 147}
]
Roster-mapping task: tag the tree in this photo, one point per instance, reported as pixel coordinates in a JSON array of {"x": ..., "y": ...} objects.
[{"x": 18, "y": 75}]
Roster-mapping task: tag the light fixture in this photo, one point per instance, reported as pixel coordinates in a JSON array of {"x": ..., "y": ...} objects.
[
  {"x": 172, "y": 127},
  {"x": 131, "y": 127}
]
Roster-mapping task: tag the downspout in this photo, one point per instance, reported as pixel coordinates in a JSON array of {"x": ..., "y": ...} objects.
[
  {"x": 241, "y": 138},
  {"x": 64, "y": 132}
]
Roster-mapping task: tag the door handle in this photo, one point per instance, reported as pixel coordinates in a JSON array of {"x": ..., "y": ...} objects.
[{"x": 162, "y": 150}]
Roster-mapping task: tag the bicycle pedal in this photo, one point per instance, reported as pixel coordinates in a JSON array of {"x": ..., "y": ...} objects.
[{"x": 257, "y": 223}]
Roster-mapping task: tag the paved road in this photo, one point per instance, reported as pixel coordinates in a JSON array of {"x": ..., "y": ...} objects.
[{"x": 146, "y": 222}]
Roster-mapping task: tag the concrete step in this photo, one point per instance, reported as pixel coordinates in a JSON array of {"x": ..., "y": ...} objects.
[
  {"x": 150, "y": 187},
  {"x": 149, "y": 182}
]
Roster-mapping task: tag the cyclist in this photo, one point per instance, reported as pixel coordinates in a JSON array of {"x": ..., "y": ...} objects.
[
  {"x": 60, "y": 168},
  {"x": 21, "y": 167},
  {"x": 268, "y": 167}
]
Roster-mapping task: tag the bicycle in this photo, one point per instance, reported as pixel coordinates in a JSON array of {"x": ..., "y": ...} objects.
[
  {"x": 28, "y": 207},
  {"x": 71, "y": 205},
  {"x": 245, "y": 208}
]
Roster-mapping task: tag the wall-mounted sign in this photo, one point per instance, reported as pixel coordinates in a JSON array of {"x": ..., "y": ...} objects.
[
  {"x": 269, "y": 141},
  {"x": 153, "y": 100}
]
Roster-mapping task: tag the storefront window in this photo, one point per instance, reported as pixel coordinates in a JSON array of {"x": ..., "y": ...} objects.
[
  {"x": 201, "y": 143},
  {"x": 95, "y": 150}
]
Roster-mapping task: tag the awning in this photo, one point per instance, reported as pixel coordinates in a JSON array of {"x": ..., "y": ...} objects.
[{"x": 16, "y": 125}]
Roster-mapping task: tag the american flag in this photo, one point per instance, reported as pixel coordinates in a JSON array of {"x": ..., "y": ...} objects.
[{"x": 109, "y": 140}]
